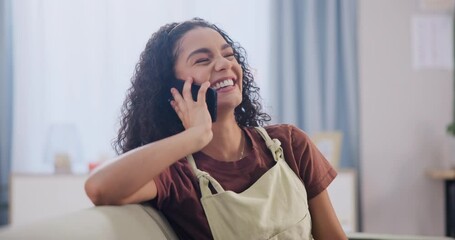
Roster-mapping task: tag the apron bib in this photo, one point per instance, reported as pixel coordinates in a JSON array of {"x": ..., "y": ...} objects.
[{"x": 274, "y": 207}]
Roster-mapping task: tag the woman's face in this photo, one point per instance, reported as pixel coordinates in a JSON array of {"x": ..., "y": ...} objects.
[{"x": 204, "y": 55}]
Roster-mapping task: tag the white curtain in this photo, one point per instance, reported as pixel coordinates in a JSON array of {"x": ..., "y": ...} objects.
[
  {"x": 314, "y": 69},
  {"x": 73, "y": 61}
]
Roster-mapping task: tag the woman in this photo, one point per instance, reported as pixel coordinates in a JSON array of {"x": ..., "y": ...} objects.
[{"x": 223, "y": 179}]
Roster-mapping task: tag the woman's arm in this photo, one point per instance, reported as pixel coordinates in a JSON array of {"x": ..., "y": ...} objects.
[
  {"x": 129, "y": 178},
  {"x": 325, "y": 224}
]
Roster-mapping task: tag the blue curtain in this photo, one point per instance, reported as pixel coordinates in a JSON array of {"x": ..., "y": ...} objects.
[
  {"x": 6, "y": 103},
  {"x": 314, "y": 72},
  {"x": 314, "y": 69}
]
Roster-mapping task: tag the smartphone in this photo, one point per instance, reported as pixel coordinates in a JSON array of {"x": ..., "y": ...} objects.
[{"x": 210, "y": 97}]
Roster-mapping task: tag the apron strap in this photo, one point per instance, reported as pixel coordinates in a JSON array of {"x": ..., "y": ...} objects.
[
  {"x": 273, "y": 145},
  {"x": 204, "y": 179}
]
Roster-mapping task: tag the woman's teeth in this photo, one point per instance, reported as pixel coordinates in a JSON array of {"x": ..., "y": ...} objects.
[{"x": 225, "y": 83}]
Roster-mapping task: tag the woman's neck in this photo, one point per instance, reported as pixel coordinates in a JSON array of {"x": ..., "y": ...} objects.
[{"x": 228, "y": 143}]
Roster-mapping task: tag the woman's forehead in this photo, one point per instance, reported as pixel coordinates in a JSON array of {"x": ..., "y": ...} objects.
[{"x": 200, "y": 37}]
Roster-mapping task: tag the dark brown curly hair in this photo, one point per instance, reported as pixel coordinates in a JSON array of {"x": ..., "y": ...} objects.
[{"x": 146, "y": 114}]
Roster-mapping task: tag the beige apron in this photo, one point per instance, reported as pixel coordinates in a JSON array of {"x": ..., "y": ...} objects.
[{"x": 274, "y": 207}]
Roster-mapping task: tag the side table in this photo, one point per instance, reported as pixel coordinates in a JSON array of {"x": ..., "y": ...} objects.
[{"x": 448, "y": 176}]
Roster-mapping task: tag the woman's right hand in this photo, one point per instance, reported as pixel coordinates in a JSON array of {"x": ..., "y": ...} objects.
[
  {"x": 130, "y": 177},
  {"x": 193, "y": 114}
]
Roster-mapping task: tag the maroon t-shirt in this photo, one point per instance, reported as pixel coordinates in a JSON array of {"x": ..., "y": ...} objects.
[{"x": 178, "y": 190}]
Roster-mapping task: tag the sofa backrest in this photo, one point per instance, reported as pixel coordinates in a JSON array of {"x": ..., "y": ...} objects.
[{"x": 106, "y": 222}]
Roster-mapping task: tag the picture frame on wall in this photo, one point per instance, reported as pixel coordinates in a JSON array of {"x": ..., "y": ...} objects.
[{"x": 329, "y": 144}]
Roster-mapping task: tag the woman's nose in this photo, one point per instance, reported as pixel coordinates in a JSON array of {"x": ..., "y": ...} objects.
[{"x": 222, "y": 64}]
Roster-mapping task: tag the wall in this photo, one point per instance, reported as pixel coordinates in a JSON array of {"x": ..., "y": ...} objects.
[
  {"x": 404, "y": 113},
  {"x": 73, "y": 61}
]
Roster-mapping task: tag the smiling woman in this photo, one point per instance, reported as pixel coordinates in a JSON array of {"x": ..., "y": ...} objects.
[{"x": 234, "y": 178}]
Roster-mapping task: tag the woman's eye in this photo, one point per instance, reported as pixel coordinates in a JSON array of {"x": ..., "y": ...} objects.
[
  {"x": 230, "y": 55},
  {"x": 202, "y": 60}
]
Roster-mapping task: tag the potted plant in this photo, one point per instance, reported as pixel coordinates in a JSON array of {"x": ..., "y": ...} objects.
[{"x": 451, "y": 127}]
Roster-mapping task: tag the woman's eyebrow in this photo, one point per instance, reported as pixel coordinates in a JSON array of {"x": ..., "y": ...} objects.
[
  {"x": 225, "y": 46},
  {"x": 205, "y": 50},
  {"x": 200, "y": 50}
]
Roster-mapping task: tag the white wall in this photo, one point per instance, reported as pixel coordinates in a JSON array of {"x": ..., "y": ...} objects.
[
  {"x": 73, "y": 61},
  {"x": 404, "y": 113}
]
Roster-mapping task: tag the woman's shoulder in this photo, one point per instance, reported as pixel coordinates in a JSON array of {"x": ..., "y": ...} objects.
[
  {"x": 280, "y": 127},
  {"x": 288, "y": 130},
  {"x": 176, "y": 172}
]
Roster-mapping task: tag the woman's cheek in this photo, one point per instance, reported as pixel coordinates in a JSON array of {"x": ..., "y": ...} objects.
[{"x": 200, "y": 79}]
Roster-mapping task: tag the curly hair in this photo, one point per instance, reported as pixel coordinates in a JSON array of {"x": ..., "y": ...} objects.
[{"x": 146, "y": 115}]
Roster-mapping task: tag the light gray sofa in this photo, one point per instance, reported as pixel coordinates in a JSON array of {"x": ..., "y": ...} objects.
[
  {"x": 125, "y": 222},
  {"x": 106, "y": 222}
]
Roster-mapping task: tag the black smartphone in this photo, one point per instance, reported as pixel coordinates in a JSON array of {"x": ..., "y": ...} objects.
[{"x": 210, "y": 97}]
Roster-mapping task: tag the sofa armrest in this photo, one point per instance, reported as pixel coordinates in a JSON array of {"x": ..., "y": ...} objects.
[{"x": 105, "y": 222}]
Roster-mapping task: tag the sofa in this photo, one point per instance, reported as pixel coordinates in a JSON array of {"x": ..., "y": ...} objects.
[{"x": 132, "y": 221}]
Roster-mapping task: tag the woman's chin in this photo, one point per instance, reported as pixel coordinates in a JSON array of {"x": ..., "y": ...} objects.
[{"x": 230, "y": 105}]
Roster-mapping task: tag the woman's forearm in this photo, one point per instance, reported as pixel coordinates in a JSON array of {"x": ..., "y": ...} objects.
[{"x": 130, "y": 171}]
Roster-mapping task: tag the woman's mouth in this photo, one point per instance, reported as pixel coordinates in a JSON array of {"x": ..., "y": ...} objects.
[{"x": 223, "y": 84}]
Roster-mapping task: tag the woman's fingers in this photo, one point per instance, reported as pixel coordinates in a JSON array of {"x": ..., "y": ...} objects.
[
  {"x": 192, "y": 113},
  {"x": 176, "y": 109},
  {"x": 187, "y": 89},
  {"x": 178, "y": 100},
  {"x": 202, "y": 92}
]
